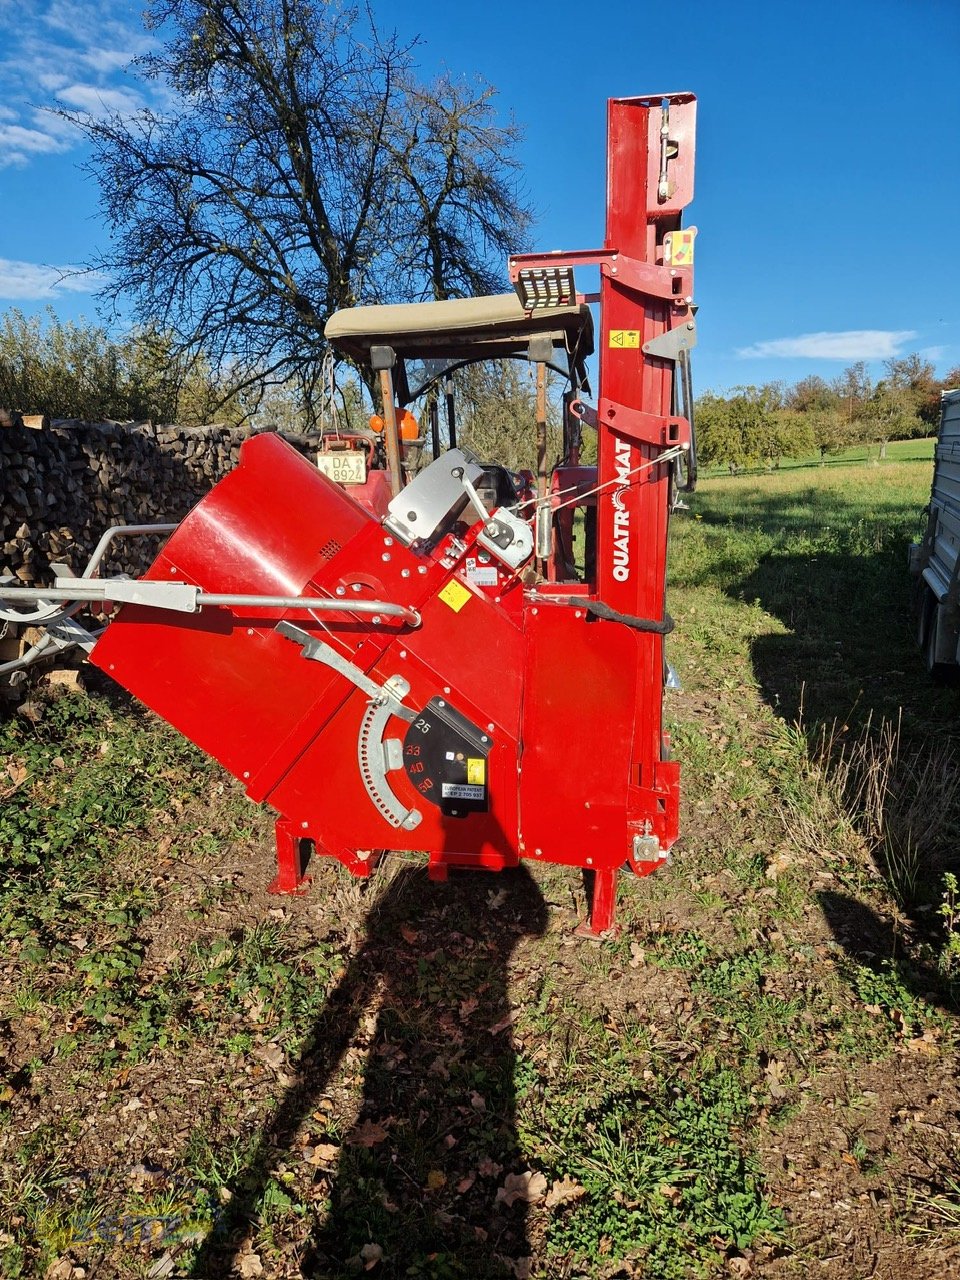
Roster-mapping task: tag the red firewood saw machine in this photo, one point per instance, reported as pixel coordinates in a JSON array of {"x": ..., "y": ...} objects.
[{"x": 422, "y": 660}]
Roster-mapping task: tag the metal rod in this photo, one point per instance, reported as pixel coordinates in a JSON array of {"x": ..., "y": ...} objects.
[
  {"x": 543, "y": 547},
  {"x": 320, "y": 604},
  {"x": 686, "y": 391},
  {"x": 390, "y": 434},
  {"x": 451, "y": 413},
  {"x": 100, "y": 591},
  {"x": 121, "y": 531},
  {"x": 434, "y": 416}
]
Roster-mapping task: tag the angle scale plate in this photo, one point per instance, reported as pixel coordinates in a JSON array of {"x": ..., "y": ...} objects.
[{"x": 375, "y": 758}]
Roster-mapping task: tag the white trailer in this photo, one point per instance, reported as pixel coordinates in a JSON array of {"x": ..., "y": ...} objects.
[{"x": 935, "y": 560}]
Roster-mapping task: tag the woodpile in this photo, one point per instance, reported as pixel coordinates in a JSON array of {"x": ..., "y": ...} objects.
[{"x": 64, "y": 482}]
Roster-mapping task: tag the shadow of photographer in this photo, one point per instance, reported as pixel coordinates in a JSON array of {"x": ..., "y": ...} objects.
[{"x": 426, "y": 999}]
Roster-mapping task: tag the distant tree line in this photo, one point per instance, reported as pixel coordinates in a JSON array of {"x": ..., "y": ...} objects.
[
  {"x": 68, "y": 370},
  {"x": 759, "y": 426}
]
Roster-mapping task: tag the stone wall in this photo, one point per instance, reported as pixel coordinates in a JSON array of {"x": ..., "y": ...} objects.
[{"x": 61, "y": 486}]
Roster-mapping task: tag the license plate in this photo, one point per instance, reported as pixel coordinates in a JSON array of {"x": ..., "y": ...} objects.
[{"x": 346, "y": 467}]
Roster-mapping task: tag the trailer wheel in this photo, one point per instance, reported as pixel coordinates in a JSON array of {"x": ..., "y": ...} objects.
[{"x": 940, "y": 672}]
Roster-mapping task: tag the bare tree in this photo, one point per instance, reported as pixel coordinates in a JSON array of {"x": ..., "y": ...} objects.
[{"x": 300, "y": 169}]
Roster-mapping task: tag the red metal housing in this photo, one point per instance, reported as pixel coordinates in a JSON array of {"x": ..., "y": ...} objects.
[{"x": 548, "y": 694}]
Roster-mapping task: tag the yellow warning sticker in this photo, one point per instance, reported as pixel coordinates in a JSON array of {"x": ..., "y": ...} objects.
[
  {"x": 455, "y": 595},
  {"x": 624, "y": 338},
  {"x": 476, "y": 772},
  {"x": 681, "y": 247}
]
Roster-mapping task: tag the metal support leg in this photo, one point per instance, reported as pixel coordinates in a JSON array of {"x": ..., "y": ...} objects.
[
  {"x": 602, "y": 895},
  {"x": 437, "y": 871},
  {"x": 292, "y": 858}
]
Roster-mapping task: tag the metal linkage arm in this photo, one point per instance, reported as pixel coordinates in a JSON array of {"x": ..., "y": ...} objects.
[{"x": 181, "y": 597}]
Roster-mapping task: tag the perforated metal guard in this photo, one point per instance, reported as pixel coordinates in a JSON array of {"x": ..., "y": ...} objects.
[{"x": 542, "y": 287}]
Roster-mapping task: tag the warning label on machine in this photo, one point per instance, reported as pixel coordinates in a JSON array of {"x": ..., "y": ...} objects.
[
  {"x": 455, "y": 595},
  {"x": 460, "y": 791},
  {"x": 624, "y": 337}
]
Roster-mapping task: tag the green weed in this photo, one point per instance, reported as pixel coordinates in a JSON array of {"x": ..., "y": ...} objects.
[{"x": 666, "y": 1179}]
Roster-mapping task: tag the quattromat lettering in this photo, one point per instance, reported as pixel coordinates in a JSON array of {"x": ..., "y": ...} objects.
[{"x": 621, "y": 512}]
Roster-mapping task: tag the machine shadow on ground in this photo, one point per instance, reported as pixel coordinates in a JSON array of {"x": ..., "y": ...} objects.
[{"x": 427, "y": 995}]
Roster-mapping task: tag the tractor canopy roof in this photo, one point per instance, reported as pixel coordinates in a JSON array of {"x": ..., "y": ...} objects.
[{"x": 445, "y": 335}]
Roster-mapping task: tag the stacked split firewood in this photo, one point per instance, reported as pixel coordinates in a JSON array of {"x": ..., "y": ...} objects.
[{"x": 63, "y": 482}]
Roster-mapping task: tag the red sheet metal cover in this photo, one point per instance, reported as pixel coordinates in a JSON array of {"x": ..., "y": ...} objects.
[{"x": 229, "y": 683}]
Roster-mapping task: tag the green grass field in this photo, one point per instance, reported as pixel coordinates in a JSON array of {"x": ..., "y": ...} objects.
[
  {"x": 759, "y": 1076},
  {"x": 864, "y": 454}
]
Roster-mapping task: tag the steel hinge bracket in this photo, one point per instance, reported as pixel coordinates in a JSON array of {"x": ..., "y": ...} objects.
[{"x": 669, "y": 345}]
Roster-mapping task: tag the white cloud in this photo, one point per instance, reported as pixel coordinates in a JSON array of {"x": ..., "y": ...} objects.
[
  {"x": 19, "y": 144},
  {"x": 934, "y": 353},
  {"x": 71, "y": 50},
  {"x": 34, "y": 282},
  {"x": 98, "y": 100},
  {"x": 849, "y": 344}
]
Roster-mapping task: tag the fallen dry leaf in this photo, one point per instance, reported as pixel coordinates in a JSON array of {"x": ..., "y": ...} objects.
[
  {"x": 466, "y": 1183},
  {"x": 502, "y": 1025},
  {"x": 436, "y": 1179},
  {"x": 564, "y": 1191},
  {"x": 408, "y": 934},
  {"x": 322, "y": 1153},
  {"x": 17, "y": 774},
  {"x": 528, "y": 1187},
  {"x": 250, "y": 1265},
  {"x": 271, "y": 1054},
  {"x": 164, "y": 1266},
  {"x": 370, "y": 1255},
  {"x": 367, "y": 1135},
  {"x": 927, "y": 1043},
  {"x": 488, "y": 1168}
]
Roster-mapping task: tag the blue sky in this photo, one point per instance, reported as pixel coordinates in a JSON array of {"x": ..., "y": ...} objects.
[{"x": 828, "y": 187}]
